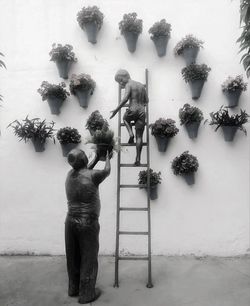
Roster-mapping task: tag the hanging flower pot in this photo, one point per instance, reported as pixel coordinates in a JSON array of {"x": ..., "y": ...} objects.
[
  {"x": 55, "y": 105},
  {"x": 233, "y": 97},
  {"x": 96, "y": 122},
  {"x": 190, "y": 55},
  {"x": 161, "y": 44},
  {"x": 162, "y": 143},
  {"x": 38, "y": 143},
  {"x": 155, "y": 180},
  {"x": 69, "y": 139},
  {"x": 130, "y": 28},
  {"x": 83, "y": 97},
  {"x": 196, "y": 88},
  {"x": 232, "y": 88},
  {"x": 90, "y": 19},
  {"x": 153, "y": 192},
  {"x": 229, "y": 132},
  {"x": 160, "y": 34},
  {"x": 189, "y": 178},
  {"x": 63, "y": 67},
  {"x": 192, "y": 129},
  {"x": 102, "y": 149}
]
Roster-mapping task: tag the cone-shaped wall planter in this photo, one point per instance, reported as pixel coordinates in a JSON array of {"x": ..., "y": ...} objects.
[
  {"x": 83, "y": 97},
  {"x": 63, "y": 68},
  {"x": 102, "y": 149},
  {"x": 189, "y": 178},
  {"x": 39, "y": 146},
  {"x": 162, "y": 143},
  {"x": 153, "y": 192},
  {"x": 55, "y": 105},
  {"x": 196, "y": 88},
  {"x": 131, "y": 40},
  {"x": 67, "y": 147},
  {"x": 233, "y": 97},
  {"x": 229, "y": 132},
  {"x": 192, "y": 129},
  {"x": 160, "y": 43},
  {"x": 91, "y": 29},
  {"x": 190, "y": 55}
]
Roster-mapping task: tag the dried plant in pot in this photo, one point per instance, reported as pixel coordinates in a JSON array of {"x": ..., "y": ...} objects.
[
  {"x": 196, "y": 75},
  {"x": 154, "y": 179},
  {"x": 229, "y": 123},
  {"x": 188, "y": 47},
  {"x": 160, "y": 34},
  {"x": 90, "y": 19},
  {"x": 36, "y": 130},
  {"x": 82, "y": 86},
  {"x": 191, "y": 117},
  {"x": 96, "y": 122},
  {"x": 232, "y": 88},
  {"x": 186, "y": 165},
  {"x": 69, "y": 138},
  {"x": 54, "y": 94},
  {"x": 163, "y": 130},
  {"x": 131, "y": 27},
  {"x": 64, "y": 57}
]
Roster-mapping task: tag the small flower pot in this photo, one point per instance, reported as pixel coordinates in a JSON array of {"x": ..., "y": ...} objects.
[
  {"x": 39, "y": 145},
  {"x": 63, "y": 68},
  {"x": 190, "y": 55},
  {"x": 91, "y": 29},
  {"x": 233, "y": 97},
  {"x": 67, "y": 147},
  {"x": 153, "y": 192},
  {"x": 196, "y": 88},
  {"x": 229, "y": 132},
  {"x": 55, "y": 105},
  {"x": 189, "y": 178},
  {"x": 131, "y": 40},
  {"x": 161, "y": 44},
  {"x": 102, "y": 149},
  {"x": 162, "y": 143},
  {"x": 83, "y": 97},
  {"x": 192, "y": 129}
]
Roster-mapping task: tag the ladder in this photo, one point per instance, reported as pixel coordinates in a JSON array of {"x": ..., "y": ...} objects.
[{"x": 121, "y": 209}]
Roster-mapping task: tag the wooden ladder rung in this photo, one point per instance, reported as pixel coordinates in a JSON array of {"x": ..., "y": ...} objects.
[
  {"x": 133, "y": 258},
  {"x": 132, "y": 233},
  {"x": 125, "y": 144},
  {"x": 134, "y": 208},
  {"x": 133, "y": 165},
  {"x": 133, "y": 186}
]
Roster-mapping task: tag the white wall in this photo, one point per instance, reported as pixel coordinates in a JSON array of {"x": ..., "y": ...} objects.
[{"x": 212, "y": 217}]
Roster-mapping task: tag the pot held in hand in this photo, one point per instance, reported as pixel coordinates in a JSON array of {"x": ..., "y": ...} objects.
[
  {"x": 102, "y": 149},
  {"x": 83, "y": 97},
  {"x": 229, "y": 132},
  {"x": 38, "y": 143},
  {"x": 196, "y": 88},
  {"x": 192, "y": 129},
  {"x": 160, "y": 43},
  {"x": 233, "y": 97},
  {"x": 162, "y": 142},
  {"x": 55, "y": 104},
  {"x": 63, "y": 68},
  {"x": 189, "y": 178},
  {"x": 67, "y": 147},
  {"x": 131, "y": 40},
  {"x": 91, "y": 28},
  {"x": 190, "y": 55}
]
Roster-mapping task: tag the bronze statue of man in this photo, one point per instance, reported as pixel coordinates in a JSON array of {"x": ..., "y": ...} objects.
[
  {"x": 82, "y": 225},
  {"x": 136, "y": 94}
]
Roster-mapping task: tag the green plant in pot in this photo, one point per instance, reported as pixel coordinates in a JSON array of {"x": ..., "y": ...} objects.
[
  {"x": 163, "y": 130},
  {"x": 54, "y": 94},
  {"x": 131, "y": 27},
  {"x": 189, "y": 48},
  {"x": 36, "y": 130},
  {"x": 64, "y": 57},
  {"x": 229, "y": 123},
  {"x": 191, "y": 117},
  {"x": 155, "y": 180},
  {"x": 196, "y": 75},
  {"x": 160, "y": 34},
  {"x": 232, "y": 88},
  {"x": 186, "y": 165},
  {"x": 69, "y": 138},
  {"x": 82, "y": 86},
  {"x": 90, "y": 19},
  {"x": 96, "y": 122}
]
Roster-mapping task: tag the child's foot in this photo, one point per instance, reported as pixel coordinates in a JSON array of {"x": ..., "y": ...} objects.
[
  {"x": 82, "y": 299},
  {"x": 137, "y": 163},
  {"x": 131, "y": 139}
]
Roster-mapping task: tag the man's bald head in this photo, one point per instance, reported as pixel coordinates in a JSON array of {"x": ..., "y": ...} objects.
[{"x": 77, "y": 159}]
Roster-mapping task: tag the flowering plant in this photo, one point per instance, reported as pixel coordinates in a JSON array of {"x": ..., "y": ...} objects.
[
  {"x": 83, "y": 82},
  {"x": 155, "y": 177},
  {"x": 189, "y": 41},
  {"x": 90, "y": 14},
  {"x": 52, "y": 90},
  {"x": 188, "y": 114},
  {"x": 130, "y": 23},
  {"x": 195, "y": 72},
  {"x": 233, "y": 84},
  {"x": 62, "y": 53},
  {"x": 96, "y": 122},
  {"x": 68, "y": 135},
  {"x": 160, "y": 28},
  {"x": 185, "y": 163},
  {"x": 164, "y": 127}
]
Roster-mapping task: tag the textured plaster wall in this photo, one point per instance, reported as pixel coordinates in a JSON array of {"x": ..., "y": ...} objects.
[{"x": 212, "y": 217}]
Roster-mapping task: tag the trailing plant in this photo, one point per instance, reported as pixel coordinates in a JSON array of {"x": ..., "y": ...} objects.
[
  {"x": 68, "y": 135},
  {"x": 155, "y": 177},
  {"x": 223, "y": 118},
  {"x": 189, "y": 114},
  {"x": 185, "y": 163},
  {"x": 160, "y": 28},
  {"x": 90, "y": 14},
  {"x": 2, "y": 64},
  {"x": 48, "y": 90},
  {"x": 233, "y": 84},
  {"x": 96, "y": 122},
  {"x": 189, "y": 41},
  {"x": 82, "y": 82},
  {"x": 33, "y": 129},
  {"x": 130, "y": 23},
  {"x": 62, "y": 53},
  {"x": 195, "y": 72},
  {"x": 164, "y": 128}
]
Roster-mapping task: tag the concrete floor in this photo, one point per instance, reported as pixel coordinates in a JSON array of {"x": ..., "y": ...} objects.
[{"x": 178, "y": 281}]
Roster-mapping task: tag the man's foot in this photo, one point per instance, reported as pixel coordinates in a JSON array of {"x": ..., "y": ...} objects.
[
  {"x": 131, "y": 139},
  {"x": 73, "y": 289},
  {"x": 83, "y": 300}
]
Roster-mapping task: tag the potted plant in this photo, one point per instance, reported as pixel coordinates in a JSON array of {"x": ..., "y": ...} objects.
[
  {"x": 96, "y": 122},
  {"x": 188, "y": 47},
  {"x": 82, "y": 86},
  {"x": 63, "y": 56},
  {"x": 229, "y": 123},
  {"x": 90, "y": 19},
  {"x": 36, "y": 130},
  {"x": 155, "y": 180},
  {"x": 130, "y": 27},
  {"x": 69, "y": 138},
  {"x": 232, "y": 88},
  {"x": 191, "y": 117},
  {"x": 185, "y": 165},
  {"x": 160, "y": 34},
  {"x": 196, "y": 75},
  {"x": 54, "y": 94},
  {"x": 163, "y": 130}
]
